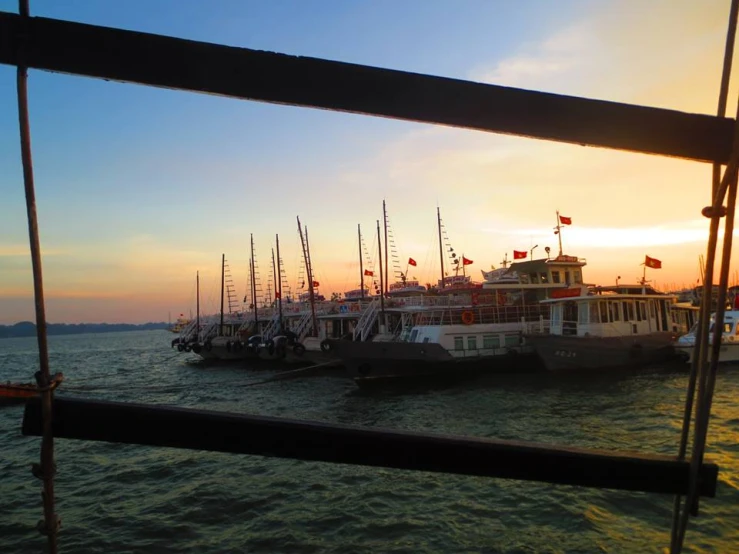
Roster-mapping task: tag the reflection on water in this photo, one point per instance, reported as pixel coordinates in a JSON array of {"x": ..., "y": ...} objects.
[{"x": 124, "y": 498}]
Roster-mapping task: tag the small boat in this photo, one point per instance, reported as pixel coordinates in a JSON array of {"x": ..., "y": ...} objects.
[
  {"x": 729, "y": 349},
  {"x": 11, "y": 393}
]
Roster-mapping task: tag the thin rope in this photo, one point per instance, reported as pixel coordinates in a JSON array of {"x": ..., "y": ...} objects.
[
  {"x": 706, "y": 383},
  {"x": 50, "y": 525}
]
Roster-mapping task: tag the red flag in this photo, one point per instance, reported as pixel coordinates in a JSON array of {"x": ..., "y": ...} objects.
[
  {"x": 519, "y": 255},
  {"x": 565, "y": 220},
  {"x": 277, "y": 296},
  {"x": 654, "y": 263},
  {"x": 316, "y": 283},
  {"x": 412, "y": 262},
  {"x": 369, "y": 273},
  {"x": 465, "y": 261}
]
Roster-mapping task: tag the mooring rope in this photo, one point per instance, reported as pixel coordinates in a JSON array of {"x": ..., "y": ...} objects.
[
  {"x": 701, "y": 373},
  {"x": 47, "y": 468}
]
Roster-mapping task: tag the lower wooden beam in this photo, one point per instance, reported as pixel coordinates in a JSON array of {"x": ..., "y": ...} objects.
[{"x": 326, "y": 442}]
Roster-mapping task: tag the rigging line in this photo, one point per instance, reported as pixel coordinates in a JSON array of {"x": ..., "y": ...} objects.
[
  {"x": 50, "y": 525},
  {"x": 679, "y": 525}
]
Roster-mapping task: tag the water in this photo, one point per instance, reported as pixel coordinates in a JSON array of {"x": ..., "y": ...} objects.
[{"x": 123, "y": 498}]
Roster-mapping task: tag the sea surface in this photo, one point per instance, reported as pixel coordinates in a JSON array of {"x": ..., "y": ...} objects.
[{"x": 123, "y": 498}]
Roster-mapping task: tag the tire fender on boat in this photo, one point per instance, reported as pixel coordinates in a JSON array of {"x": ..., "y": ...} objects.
[
  {"x": 188, "y": 348},
  {"x": 299, "y": 349},
  {"x": 326, "y": 345},
  {"x": 208, "y": 346},
  {"x": 196, "y": 348},
  {"x": 270, "y": 346},
  {"x": 180, "y": 347}
]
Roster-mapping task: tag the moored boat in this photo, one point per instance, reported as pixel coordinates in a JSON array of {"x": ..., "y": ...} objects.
[
  {"x": 15, "y": 393},
  {"x": 598, "y": 328},
  {"x": 729, "y": 349}
]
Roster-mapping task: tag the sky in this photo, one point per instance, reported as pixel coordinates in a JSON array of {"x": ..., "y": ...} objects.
[{"x": 139, "y": 188}]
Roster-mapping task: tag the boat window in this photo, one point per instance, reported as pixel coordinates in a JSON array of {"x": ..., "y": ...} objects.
[
  {"x": 556, "y": 314},
  {"x": 414, "y": 334},
  {"x": 471, "y": 343},
  {"x": 555, "y": 277},
  {"x": 653, "y": 310},
  {"x": 583, "y": 309},
  {"x": 594, "y": 312},
  {"x": 643, "y": 310},
  {"x": 458, "y": 343},
  {"x": 628, "y": 311},
  {"x": 614, "y": 310},
  {"x": 489, "y": 341},
  {"x": 524, "y": 279},
  {"x": 543, "y": 277},
  {"x": 425, "y": 340},
  {"x": 567, "y": 276},
  {"x": 534, "y": 278},
  {"x": 603, "y": 311},
  {"x": 638, "y": 312},
  {"x": 577, "y": 276}
]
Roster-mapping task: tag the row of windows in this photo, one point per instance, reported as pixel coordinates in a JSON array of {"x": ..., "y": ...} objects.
[
  {"x": 488, "y": 341},
  {"x": 556, "y": 276},
  {"x": 608, "y": 311}
]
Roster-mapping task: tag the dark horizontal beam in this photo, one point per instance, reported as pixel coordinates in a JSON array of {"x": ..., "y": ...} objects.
[
  {"x": 305, "y": 440},
  {"x": 175, "y": 63}
]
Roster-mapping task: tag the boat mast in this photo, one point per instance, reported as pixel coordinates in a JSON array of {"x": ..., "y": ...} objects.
[
  {"x": 279, "y": 281},
  {"x": 382, "y": 294},
  {"x": 441, "y": 248},
  {"x": 223, "y": 280},
  {"x": 254, "y": 285},
  {"x": 274, "y": 274},
  {"x": 384, "y": 219},
  {"x": 361, "y": 264},
  {"x": 309, "y": 271},
  {"x": 197, "y": 306},
  {"x": 558, "y": 232}
]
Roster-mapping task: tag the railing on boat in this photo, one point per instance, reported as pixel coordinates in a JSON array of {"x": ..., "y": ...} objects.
[{"x": 129, "y": 56}]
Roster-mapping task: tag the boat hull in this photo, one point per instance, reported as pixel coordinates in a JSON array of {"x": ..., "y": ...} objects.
[
  {"x": 563, "y": 353},
  {"x": 728, "y": 352},
  {"x": 373, "y": 364},
  {"x": 16, "y": 394}
]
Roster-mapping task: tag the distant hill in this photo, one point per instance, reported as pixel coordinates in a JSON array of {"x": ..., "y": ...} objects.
[{"x": 28, "y": 328}]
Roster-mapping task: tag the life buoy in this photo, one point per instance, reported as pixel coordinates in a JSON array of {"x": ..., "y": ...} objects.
[
  {"x": 468, "y": 318},
  {"x": 731, "y": 338},
  {"x": 299, "y": 349},
  {"x": 325, "y": 346}
]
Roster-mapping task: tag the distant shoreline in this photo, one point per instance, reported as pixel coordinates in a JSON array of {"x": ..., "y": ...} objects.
[{"x": 28, "y": 329}]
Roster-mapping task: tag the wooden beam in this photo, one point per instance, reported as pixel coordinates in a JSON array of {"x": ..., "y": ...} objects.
[
  {"x": 305, "y": 440},
  {"x": 175, "y": 63}
]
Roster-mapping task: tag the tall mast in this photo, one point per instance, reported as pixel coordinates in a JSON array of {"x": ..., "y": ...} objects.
[
  {"x": 223, "y": 280},
  {"x": 559, "y": 233},
  {"x": 309, "y": 271},
  {"x": 382, "y": 293},
  {"x": 254, "y": 286},
  {"x": 274, "y": 273},
  {"x": 441, "y": 248},
  {"x": 384, "y": 220},
  {"x": 197, "y": 306},
  {"x": 279, "y": 281},
  {"x": 361, "y": 265}
]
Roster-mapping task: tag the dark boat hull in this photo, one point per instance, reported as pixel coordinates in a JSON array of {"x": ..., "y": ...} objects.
[
  {"x": 373, "y": 364},
  {"x": 563, "y": 353}
]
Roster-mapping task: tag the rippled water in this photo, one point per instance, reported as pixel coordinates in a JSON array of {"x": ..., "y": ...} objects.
[{"x": 122, "y": 498}]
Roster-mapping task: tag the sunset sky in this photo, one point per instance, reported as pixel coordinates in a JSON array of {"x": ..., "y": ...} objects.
[{"x": 138, "y": 188}]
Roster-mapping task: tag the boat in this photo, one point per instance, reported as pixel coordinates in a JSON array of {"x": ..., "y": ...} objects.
[
  {"x": 599, "y": 328},
  {"x": 455, "y": 336},
  {"x": 729, "y": 349},
  {"x": 15, "y": 393},
  {"x": 180, "y": 324}
]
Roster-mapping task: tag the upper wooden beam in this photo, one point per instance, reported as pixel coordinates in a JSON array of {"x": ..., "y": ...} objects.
[
  {"x": 327, "y": 442},
  {"x": 175, "y": 63}
]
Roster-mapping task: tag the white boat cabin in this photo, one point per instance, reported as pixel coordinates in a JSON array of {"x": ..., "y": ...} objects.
[
  {"x": 470, "y": 340},
  {"x": 612, "y": 311}
]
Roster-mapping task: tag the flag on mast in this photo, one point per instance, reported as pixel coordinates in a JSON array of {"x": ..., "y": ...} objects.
[
  {"x": 653, "y": 263},
  {"x": 518, "y": 255}
]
